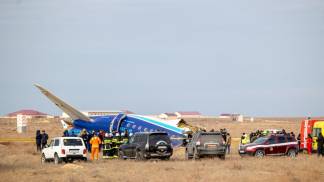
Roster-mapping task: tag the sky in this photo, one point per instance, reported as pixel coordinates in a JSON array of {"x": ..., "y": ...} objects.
[{"x": 254, "y": 57}]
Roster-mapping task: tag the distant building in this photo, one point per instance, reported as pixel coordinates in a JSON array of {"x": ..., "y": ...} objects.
[
  {"x": 30, "y": 114},
  {"x": 188, "y": 114},
  {"x": 233, "y": 117},
  {"x": 101, "y": 113},
  {"x": 168, "y": 115}
]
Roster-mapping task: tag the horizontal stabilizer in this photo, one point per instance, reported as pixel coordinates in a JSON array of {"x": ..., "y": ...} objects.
[{"x": 69, "y": 110}]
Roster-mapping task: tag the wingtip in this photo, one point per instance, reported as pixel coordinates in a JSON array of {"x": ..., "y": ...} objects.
[{"x": 39, "y": 87}]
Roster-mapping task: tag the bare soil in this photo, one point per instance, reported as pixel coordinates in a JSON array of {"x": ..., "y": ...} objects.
[{"x": 21, "y": 162}]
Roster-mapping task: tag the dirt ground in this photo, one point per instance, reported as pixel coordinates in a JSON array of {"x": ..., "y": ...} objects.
[{"x": 21, "y": 162}]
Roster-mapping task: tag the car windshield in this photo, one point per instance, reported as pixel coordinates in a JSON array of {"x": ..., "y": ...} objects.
[
  {"x": 72, "y": 142},
  {"x": 212, "y": 138},
  {"x": 154, "y": 138},
  {"x": 260, "y": 140}
]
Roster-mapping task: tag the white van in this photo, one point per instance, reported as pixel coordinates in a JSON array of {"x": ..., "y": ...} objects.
[{"x": 64, "y": 149}]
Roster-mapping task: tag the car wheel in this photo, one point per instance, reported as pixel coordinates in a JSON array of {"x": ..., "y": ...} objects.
[
  {"x": 291, "y": 153},
  {"x": 259, "y": 153},
  {"x": 121, "y": 155},
  {"x": 165, "y": 158},
  {"x": 222, "y": 157},
  {"x": 188, "y": 157},
  {"x": 85, "y": 159},
  {"x": 195, "y": 154},
  {"x": 43, "y": 159},
  {"x": 57, "y": 159}
]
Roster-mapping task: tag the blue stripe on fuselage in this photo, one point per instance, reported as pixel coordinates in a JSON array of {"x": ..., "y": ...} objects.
[{"x": 155, "y": 122}]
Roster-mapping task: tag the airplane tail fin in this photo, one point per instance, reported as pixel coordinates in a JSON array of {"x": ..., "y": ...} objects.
[{"x": 69, "y": 110}]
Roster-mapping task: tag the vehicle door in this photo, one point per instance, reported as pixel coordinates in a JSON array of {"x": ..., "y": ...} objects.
[
  {"x": 269, "y": 146},
  {"x": 56, "y": 146},
  {"x": 48, "y": 151},
  {"x": 130, "y": 147},
  {"x": 282, "y": 145}
]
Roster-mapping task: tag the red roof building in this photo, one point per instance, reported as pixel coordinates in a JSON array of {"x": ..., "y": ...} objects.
[{"x": 27, "y": 112}]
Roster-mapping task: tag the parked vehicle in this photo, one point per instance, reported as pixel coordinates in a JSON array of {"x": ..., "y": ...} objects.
[
  {"x": 146, "y": 145},
  {"x": 277, "y": 144},
  {"x": 64, "y": 149},
  {"x": 313, "y": 127},
  {"x": 206, "y": 144}
]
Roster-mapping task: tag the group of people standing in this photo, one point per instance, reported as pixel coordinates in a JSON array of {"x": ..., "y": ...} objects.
[
  {"x": 41, "y": 140},
  {"x": 99, "y": 141},
  {"x": 320, "y": 143}
]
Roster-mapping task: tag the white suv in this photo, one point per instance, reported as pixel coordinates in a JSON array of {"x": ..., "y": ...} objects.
[{"x": 64, "y": 149}]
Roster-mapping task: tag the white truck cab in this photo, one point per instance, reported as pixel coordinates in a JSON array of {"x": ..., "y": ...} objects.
[{"x": 64, "y": 149}]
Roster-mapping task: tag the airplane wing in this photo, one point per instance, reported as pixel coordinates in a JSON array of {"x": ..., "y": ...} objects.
[{"x": 69, "y": 110}]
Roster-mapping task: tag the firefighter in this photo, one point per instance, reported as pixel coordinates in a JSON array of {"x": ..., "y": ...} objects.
[
  {"x": 106, "y": 151},
  {"x": 114, "y": 145},
  {"x": 95, "y": 142},
  {"x": 309, "y": 144},
  {"x": 124, "y": 139}
]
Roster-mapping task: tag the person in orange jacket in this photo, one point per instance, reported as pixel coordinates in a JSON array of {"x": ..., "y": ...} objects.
[
  {"x": 95, "y": 143},
  {"x": 309, "y": 144}
]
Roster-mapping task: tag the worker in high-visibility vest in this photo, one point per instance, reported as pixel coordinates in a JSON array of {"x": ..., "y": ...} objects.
[
  {"x": 114, "y": 150},
  {"x": 95, "y": 143},
  {"x": 244, "y": 139},
  {"x": 106, "y": 151}
]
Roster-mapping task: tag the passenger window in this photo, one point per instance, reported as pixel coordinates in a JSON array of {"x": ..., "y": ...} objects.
[
  {"x": 132, "y": 140},
  {"x": 57, "y": 142},
  {"x": 290, "y": 139},
  {"x": 272, "y": 140},
  {"x": 281, "y": 139}
]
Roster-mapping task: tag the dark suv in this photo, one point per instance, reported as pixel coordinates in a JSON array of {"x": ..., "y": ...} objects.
[
  {"x": 279, "y": 144},
  {"x": 206, "y": 144},
  {"x": 146, "y": 145}
]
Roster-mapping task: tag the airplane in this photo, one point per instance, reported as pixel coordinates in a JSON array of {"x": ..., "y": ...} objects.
[{"x": 117, "y": 123}]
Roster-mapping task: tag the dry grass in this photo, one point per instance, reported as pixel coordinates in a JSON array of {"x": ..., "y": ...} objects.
[{"x": 21, "y": 162}]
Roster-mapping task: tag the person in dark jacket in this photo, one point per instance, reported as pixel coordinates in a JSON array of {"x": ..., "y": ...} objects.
[
  {"x": 320, "y": 142},
  {"x": 44, "y": 139},
  {"x": 38, "y": 140},
  {"x": 298, "y": 140},
  {"x": 65, "y": 133}
]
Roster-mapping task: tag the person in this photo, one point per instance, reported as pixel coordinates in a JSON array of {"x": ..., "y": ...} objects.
[
  {"x": 44, "y": 139},
  {"x": 95, "y": 142},
  {"x": 309, "y": 144},
  {"x": 106, "y": 150},
  {"x": 115, "y": 145},
  {"x": 244, "y": 139},
  {"x": 298, "y": 140},
  {"x": 38, "y": 140},
  {"x": 84, "y": 136},
  {"x": 320, "y": 142},
  {"x": 90, "y": 135},
  {"x": 65, "y": 133},
  {"x": 101, "y": 135},
  {"x": 228, "y": 143}
]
